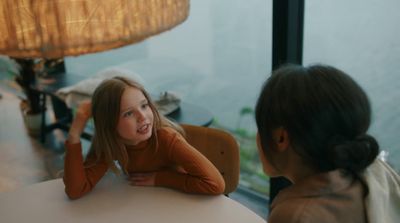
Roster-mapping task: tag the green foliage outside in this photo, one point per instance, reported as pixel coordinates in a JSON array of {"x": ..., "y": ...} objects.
[{"x": 251, "y": 173}]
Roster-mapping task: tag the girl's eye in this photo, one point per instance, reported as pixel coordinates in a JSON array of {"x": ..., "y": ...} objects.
[
  {"x": 128, "y": 114},
  {"x": 145, "y": 106}
]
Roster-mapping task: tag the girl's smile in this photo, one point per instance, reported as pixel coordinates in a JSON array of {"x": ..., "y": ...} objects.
[{"x": 144, "y": 129}]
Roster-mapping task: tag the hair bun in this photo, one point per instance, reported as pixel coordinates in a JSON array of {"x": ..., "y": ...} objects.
[{"x": 353, "y": 155}]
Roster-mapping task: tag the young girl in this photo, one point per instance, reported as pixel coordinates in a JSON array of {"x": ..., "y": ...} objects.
[
  {"x": 312, "y": 129},
  {"x": 148, "y": 148}
]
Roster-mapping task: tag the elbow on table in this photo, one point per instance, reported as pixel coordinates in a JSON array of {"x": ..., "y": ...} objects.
[
  {"x": 221, "y": 187},
  {"x": 216, "y": 187},
  {"x": 73, "y": 195},
  {"x": 218, "y": 190},
  {"x": 75, "y": 191}
]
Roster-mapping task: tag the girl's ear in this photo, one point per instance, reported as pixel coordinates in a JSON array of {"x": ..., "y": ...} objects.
[{"x": 281, "y": 139}]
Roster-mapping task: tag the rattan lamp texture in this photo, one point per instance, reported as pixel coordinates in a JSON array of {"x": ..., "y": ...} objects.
[
  {"x": 52, "y": 29},
  {"x": 58, "y": 28}
]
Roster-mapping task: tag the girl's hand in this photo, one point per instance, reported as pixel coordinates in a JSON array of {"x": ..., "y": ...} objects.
[
  {"x": 83, "y": 113},
  {"x": 142, "y": 179}
]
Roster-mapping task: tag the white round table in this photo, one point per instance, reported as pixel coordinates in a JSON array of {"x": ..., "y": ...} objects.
[{"x": 114, "y": 200}]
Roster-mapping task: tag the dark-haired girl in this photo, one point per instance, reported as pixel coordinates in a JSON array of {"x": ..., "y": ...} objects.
[{"x": 312, "y": 129}]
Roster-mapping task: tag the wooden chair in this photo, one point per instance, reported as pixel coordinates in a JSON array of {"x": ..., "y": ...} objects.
[{"x": 221, "y": 148}]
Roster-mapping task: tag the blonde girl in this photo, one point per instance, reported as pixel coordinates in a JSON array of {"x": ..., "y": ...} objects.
[{"x": 148, "y": 148}]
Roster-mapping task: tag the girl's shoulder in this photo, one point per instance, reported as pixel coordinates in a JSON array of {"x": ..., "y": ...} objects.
[
  {"x": 166, "y": 130},
  {"x": 167, "y": 133},
  {"x": 167, "y": 138}
]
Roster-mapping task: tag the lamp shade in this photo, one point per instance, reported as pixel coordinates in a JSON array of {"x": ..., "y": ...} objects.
[{"x": 58, "y": 28}]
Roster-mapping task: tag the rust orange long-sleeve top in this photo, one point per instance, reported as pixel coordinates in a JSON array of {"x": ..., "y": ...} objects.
[{"x": 199, "y": 175}]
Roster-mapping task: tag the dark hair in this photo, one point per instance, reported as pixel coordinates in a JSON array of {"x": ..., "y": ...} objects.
[{"x": 325, "y": 112}]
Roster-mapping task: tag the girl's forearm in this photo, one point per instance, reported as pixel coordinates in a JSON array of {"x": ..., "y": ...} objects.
[{"x": 76, "y": 129}]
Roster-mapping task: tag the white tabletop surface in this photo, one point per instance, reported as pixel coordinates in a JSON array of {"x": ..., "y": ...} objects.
[{"x": 114, "y": 200}]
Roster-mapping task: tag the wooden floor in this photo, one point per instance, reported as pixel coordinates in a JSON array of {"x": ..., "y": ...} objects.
[{"x": 23, "y": 159}]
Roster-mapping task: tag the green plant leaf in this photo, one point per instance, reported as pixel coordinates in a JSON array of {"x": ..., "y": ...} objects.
[{"x": 246, "y": 110}]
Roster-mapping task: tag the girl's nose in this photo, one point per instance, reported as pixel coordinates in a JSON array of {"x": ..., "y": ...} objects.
[{"x": 140, "y": 116}]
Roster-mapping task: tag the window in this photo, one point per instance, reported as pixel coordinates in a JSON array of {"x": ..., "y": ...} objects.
[
  {"x": 216, "y": 59},
  {"x": 362, "y": 38}
]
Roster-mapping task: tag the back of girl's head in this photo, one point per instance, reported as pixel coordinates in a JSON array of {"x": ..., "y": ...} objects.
[{"x": 325, "y": 112}]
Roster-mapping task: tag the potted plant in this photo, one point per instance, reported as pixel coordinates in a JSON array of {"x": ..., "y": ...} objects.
[
  {"x": 30, "y": 106},
  {"x": 22, "y": 72}
]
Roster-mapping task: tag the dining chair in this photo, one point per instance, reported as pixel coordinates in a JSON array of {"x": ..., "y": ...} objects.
[{"x": 220, "y": 147}]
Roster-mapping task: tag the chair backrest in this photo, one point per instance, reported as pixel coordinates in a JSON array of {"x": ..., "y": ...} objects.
[{"x": 221, "y": 148}]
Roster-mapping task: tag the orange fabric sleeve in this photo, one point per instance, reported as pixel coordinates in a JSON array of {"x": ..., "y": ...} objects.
[
  {"x": 201, "y": 175},
  {"x": 80, "y": 177}
]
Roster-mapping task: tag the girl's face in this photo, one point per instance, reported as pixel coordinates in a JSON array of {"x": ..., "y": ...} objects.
[{"x": 136, "y": 118}]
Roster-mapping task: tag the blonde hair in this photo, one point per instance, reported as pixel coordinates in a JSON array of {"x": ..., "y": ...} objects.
[{"x": 106, "y": 143}]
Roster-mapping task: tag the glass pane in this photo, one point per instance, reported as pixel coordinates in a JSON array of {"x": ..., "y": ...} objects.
[
  {"x": 361, "y": 37},
  {"x": 216, "y": 59}
]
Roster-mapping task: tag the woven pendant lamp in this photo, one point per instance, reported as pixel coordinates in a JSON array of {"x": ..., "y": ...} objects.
[{"x": 58, "y": 28}]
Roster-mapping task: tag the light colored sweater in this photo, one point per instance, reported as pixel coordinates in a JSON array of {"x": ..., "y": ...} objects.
[
  {"x": 330, "y": 197},
  {"x": 383, "y": 200},
  {"x": 333, "y": 197}
]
